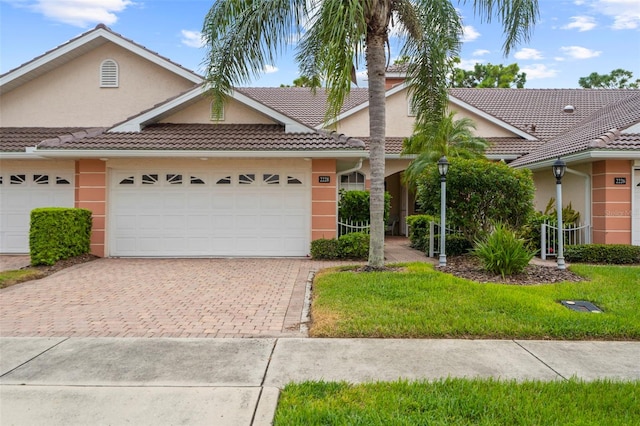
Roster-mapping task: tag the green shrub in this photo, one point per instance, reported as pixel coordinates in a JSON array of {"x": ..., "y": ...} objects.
[
  {"x": 457, "y": 245},
  {"x": 419, "y": 230},
  {"x": 325, "y": 249},
  {"x": 617, "y": 254},
  {"x": 502, "y": 252},
  {"x": 58, "y": 233},
  {"x": 354, "y": 205},
  {"x": 479, "y": 192},
  {"x": 354, "y": 246}
]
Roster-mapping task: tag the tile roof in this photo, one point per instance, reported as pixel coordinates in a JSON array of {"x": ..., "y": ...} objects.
[
  {"x": 208, "y": 137},
  {"x": 539, "y": 112},
  {"x": 299, "y": 103},
  {"x": 16, "y": 139},
  {"x": 599, "y": 131}
]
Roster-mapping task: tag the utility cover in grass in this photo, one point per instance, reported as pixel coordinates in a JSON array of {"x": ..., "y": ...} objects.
[{"x": 581, "y": 306}]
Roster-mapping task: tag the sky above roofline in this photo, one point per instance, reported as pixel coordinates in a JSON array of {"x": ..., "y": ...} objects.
[{"x": 571, "y": 39}]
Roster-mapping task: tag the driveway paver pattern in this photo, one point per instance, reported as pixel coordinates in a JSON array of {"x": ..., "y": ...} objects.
[{"x": 133, "y": 297}]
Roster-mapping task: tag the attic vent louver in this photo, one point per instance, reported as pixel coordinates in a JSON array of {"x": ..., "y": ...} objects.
[{"x": 109, "y": 73}]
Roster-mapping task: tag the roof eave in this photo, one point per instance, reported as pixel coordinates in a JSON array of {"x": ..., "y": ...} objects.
[
  {"x": 627, "y": 154},
  {"x": 106, "y": 153},
  {"x": 76, "y": 43}
]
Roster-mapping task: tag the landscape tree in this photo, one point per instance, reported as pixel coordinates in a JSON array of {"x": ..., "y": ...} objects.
[
  {"x": 479, "y": 193},
  {"x": 489, "y": 75},
  {"x": 242, "y": 36},
  {"x": 616, "y": 79},
  {"x": 432, "y": 140},
  {"x": 302, "y": 81}
]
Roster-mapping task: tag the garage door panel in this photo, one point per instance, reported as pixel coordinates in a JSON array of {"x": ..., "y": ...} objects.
[
  {"x": 24, "y": 190},
  {"x": 219, "y": 217}
]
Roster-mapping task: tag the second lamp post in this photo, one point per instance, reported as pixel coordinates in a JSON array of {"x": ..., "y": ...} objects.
[{"x": 443, "y": 168}]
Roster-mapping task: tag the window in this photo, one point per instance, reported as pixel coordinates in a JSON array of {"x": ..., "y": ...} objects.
[
  {"x": 247, "y": 179},
  {"x": 293, "y": 181},
  {"x": 18, "y": 179},
  {"x": 109, "y": 73},
  {"x": 224, "y": 181},
  {"x": 128, "y": 181},
  {"x": 62, "y": 181},
  {"x": 174, "y": 179},
  {"x": 41, "y": 179},
  {"x": 353, "y": 181},
  {"x": 197, "y": 181},
  {"x": 149, "y": 179},
  {"x": 270, "y": 179}
]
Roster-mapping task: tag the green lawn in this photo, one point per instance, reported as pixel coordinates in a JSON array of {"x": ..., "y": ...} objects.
[
  {"x": 461, "y": 402},
  {"x": 421, "y": 302},
  {"x": 8, "y": 278}
]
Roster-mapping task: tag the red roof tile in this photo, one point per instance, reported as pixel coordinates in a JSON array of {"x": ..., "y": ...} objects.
[
  {"x": 209, "y": 137},
  {"x": 16, "y": 139}
]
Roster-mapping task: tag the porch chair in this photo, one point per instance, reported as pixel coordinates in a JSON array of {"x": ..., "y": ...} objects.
[{"x": 391, "y": 225}]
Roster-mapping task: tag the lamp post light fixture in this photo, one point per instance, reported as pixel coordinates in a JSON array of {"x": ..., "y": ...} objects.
[
  {"x": 443, "y": 168},
  {"x": 559, "y": 167}
]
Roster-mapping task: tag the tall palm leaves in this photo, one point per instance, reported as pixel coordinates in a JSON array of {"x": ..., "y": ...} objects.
[
  {"x": 447, "y": 136},
  {"x": 243, "y": 36}
]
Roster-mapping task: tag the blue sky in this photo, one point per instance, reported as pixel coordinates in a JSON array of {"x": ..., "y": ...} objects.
[{"x": 571, "y": 39}]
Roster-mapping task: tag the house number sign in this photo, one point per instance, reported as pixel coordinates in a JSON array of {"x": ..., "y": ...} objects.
[
  {"x": 324, "y": 179},
  {"x": 619, "y": 181}
]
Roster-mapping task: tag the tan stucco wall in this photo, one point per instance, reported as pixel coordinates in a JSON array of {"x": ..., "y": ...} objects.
[
  {"x": 484, "y": 128},
  {"x": 573, "y": 190},
  {"x": 234, "y": 113},
  {"x": 400, "y": 124},
  {"x": 398, "y": 121},
  {"x": 70, "y": 95}
]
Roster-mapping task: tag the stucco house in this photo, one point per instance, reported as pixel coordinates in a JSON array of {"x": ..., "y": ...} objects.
[{"x": 103, "y": 123}]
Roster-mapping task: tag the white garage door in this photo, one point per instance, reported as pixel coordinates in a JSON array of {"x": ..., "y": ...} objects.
[
  {"x": 180, "y": 213},
  {"x": 22, "y": 191}
]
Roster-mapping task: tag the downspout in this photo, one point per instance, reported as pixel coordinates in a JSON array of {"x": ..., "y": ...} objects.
[
  {"x": 357, "y": 167},
  {"x": 587, "y": 199}
]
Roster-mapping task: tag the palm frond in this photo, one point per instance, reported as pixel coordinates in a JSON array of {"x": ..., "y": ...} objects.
[
  {"x": 516, "y": 16},
  {"x": 243, "y": 36}
]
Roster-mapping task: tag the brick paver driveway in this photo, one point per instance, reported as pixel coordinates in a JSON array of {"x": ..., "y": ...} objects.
[{"x": 166, "y": 298}]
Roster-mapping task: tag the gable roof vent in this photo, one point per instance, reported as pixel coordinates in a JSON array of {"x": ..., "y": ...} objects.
[
  {"x": 109, "y": 73},
  {"x": 569, "y": 109}
]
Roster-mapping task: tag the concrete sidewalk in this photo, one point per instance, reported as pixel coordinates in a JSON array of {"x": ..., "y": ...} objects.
[{"x": 74, "y": 381}]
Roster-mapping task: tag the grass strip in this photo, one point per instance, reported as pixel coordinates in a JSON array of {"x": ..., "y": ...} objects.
[
  {"x": 460, "y": 402},
  {"x": 8, "y": 278}
]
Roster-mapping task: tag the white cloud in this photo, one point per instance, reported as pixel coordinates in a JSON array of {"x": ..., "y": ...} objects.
[
  {"x": 80, "y": 13},
  {"x": 192, "y": 38},
  {"x": 625, "y": 13},
  {"x": 559, "y": 58},
  {"x": 480, "y": 52},
  {"x": 581, "y": 23},
  {"x": 469, "y": 64},
  {"x": 469, "y": 33},
  {"x": 538, "y": 71},
  {"x": 528, "y": 53},
  {"x": 270, "y": 69},
  {"x": 578, "y": 52}
]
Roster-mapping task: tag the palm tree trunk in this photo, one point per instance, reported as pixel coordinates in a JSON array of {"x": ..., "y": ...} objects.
[{"x": 376, "y": 61}]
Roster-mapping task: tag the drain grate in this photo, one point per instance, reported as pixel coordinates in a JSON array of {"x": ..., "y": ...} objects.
[{"x": 581, "y": 306}]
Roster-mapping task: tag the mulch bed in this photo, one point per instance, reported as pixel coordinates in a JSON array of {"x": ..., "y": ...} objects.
[{"x": 470, "y": 268}]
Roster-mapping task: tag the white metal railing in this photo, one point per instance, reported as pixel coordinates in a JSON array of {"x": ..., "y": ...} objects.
[
  {"x": 434, "y": 237},
  {"x": 572, "y": 234},
  {"x": 349, "y": 226}
]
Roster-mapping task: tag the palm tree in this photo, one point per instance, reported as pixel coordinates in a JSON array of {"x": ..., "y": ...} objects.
[
  {"x": 243, "y": 36},
  {"x": 447, "y": 136}
]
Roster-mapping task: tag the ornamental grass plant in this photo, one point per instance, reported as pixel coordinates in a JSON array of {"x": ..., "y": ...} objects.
[{"x": 502, "y": 252}]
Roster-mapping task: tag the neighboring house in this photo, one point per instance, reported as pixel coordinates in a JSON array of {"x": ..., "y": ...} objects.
[{"x": 102, "y": 123}]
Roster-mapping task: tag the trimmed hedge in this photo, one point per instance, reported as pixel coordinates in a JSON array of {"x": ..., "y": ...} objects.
[
  {"x": 58, "y": 233},
  {"x": 350, "y": 246},
  {"x": 617, "y": 254},
  {"x": 419, "y": 230}
]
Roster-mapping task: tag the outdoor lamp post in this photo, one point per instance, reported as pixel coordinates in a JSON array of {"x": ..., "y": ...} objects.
[
  {"x": 559, "y": 168},
  {"x": 443, "y": 168}
]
